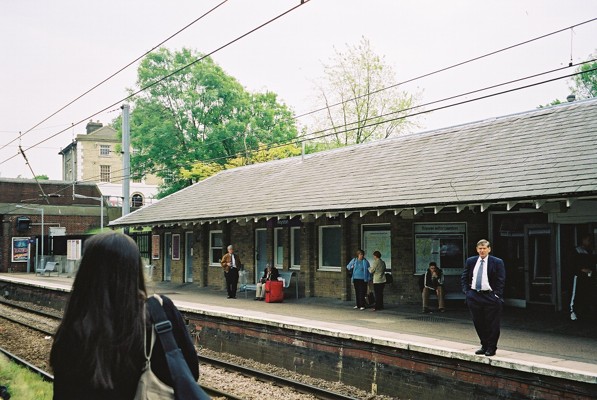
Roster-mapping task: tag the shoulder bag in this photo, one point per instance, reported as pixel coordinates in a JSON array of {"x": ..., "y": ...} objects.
[{"x": 149, "y": 386}]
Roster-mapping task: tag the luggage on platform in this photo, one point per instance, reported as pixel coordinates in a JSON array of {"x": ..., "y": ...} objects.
[{"x": 274, "y": 292}]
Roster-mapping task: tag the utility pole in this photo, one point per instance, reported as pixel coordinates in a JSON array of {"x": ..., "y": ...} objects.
[{"x": 126, "y": 160}]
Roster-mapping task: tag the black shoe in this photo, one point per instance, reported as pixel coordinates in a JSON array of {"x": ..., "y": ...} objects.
[
  {"x": 257, "y": 299},
  {"x": 425, "y": 311},
  {"x": 229, "y": 297},
  {"x": 482, "y": 350},
  {"x": 490, "y": 353}
]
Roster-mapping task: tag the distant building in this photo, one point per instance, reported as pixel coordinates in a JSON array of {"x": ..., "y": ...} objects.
[{"x": 93, "y": 157}]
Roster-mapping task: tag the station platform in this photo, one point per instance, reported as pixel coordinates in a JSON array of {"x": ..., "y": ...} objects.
[{"x": 537, "y": 340}]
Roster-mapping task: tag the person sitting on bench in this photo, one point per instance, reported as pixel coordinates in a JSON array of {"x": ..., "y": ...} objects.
[{"x": 270, "y": 274}]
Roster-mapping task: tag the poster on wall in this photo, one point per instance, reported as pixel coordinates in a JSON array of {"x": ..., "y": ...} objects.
[
  {"x": 381, "y": 241},
  {"x": 20, "y": 249},
  {"x": 176, "y": 246},
  {"x": 155, "y": 247},
  {"x": 443, "y": 243},
  {"x": 73, "y": 249}
]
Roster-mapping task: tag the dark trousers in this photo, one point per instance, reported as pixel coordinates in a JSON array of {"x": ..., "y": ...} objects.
[
  {"x": 231, "y": 281},
  {"x": 378, "y": 290},
  {"x": 486, "y": 310},
  {"x": 360, "y": 288}
]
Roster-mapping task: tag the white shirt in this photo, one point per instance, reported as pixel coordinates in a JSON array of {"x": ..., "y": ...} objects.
[
  {"x": 232, "y": 261},
  {"x": 484, "y": 281}
]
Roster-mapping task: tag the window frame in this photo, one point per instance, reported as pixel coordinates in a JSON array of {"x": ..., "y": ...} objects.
[
  {"x": 102, "y": 148},
  {"x": 294, "y": 229},
  {"x": 321, "y": 267},
  {"x": 211, "y": 248},
  {"x": 103, "y": 173},
  {"x": 278, "y": 263}
]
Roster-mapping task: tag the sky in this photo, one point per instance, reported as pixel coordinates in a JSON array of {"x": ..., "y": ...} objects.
[{"x": 53, "y": 52}]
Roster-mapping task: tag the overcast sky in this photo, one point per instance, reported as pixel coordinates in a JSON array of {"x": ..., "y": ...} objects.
[{"x": 53, "y": 51}]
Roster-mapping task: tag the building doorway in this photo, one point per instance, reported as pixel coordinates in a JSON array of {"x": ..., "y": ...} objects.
[{"x": 260, "y": 252}]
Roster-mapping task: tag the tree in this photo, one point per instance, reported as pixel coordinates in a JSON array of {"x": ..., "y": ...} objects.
[
  {"x": 200, "y": 114},
  {"x": 357, "y": 79},
  {"x": 585, "y": 84},
  {"x": 201, "y": 170},
  {"x": 42, "y": 177}
]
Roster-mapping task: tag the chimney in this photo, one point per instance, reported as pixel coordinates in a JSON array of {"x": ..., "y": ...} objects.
[{"x": 93, "y": 126}]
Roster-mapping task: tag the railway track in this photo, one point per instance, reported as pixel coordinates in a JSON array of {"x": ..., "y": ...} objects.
[{"x": 29, "y": 318}]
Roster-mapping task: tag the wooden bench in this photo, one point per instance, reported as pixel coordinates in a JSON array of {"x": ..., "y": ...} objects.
[{"x": 49, "y": 268}]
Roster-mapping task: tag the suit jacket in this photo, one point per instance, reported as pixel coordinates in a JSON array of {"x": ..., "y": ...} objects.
[
  {"x": 496, "y": 274},
  {"x": 226, "y": 259}
]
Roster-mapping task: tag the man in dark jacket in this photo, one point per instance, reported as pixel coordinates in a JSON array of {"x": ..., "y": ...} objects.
[{"x": 483, "y": 281}]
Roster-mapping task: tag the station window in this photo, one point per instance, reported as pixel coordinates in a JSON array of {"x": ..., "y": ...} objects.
[
  {"x": 279, "y": 248},
  {"x": 216, "y": 247},
  {"x": 295, "y": 247},
  {"x": 330, "y": 240},
  {"x": 137, "y": 200}
]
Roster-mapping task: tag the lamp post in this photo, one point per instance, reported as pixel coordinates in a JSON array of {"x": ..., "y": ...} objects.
[
  {"x": 42, "y": 232},
  {"x": 101, "y": 200}
]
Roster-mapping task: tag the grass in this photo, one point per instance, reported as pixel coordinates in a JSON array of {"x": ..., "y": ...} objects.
[{"x": 21, "y": 383}]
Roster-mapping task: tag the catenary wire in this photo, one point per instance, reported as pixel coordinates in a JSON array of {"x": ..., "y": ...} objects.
[
  {"x": 114, "y": 74},
  {"x": 321, "y": 133},
  {"x": 449, "y": 67},
  {"x": 303, "y": 2}
]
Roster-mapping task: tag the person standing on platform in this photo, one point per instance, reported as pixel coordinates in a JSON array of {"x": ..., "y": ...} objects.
[
  {"x": 433, "y": 279},
  {"x": 359, "y": 267},
  {"x": 483, "y": 280},
  {"x": 378, "y": 271},
  {"x": 231, "y": 264},
  {"x": 584, "y": 291}
]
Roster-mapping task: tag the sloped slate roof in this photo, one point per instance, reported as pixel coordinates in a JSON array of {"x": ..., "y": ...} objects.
[{"x": 541, "y": 154}]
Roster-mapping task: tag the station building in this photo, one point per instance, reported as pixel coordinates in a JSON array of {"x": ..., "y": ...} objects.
[{"x": 526, "y": 182}]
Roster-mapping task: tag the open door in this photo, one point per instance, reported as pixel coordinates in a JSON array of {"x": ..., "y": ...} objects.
[{"x": 540, "y": 264}]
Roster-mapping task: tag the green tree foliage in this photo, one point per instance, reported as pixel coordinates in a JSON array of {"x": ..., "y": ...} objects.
[
  {"x": 42, "y": 177},
  {"x": 199, "y": 115},
  {"x": 585, "y": 84},
  {"x": 201, "y": 170},
  {"x": 356, "y": 78}
]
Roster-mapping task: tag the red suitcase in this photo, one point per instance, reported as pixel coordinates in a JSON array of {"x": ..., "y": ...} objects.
[{"x": 274, "y": 292}]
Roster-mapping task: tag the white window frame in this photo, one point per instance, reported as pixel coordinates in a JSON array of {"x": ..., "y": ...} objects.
[
  {"x": 334, "y": 268},
  {"x": 293, "y": 230},
  {"x": 104, "y": 150},
  {"x": 104, "y": 174},
  {"x": 211, "y": 248},
  {"x": 278, "y": 263}
]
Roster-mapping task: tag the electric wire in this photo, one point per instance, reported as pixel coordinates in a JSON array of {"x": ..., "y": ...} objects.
[
  {"x": 449, "y": 67},
  {"x": 319, "y": 134},
  {"x": 116, "y": 73},
  {"x": 167, "y": 76}
]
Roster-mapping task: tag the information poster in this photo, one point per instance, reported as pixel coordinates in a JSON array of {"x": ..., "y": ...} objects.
[
  {"x": 380, "y": 241},
  {"x": 155, "y": 247},
  {"x": 442, "y": 243},
  {"x": 20, "y": 249}
]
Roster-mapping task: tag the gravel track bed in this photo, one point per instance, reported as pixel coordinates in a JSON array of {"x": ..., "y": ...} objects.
[{"x": 35, "y": 348}]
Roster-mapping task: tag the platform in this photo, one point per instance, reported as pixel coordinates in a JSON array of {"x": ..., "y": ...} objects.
[{"x": 541, "y": 341}]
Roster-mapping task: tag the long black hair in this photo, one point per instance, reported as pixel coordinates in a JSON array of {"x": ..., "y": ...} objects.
[{"x": 101, "y": 334}]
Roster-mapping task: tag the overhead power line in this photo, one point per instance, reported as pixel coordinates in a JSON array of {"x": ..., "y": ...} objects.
[
  {"x": 115, "y": 73},
  {"x": 449, "y": 67},
  {"x": 303, "y": 2}
]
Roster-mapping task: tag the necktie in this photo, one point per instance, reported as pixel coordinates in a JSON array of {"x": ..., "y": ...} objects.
[{"x": 479, "y": 275}]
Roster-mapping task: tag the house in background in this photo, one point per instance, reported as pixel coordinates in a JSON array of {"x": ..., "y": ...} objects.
[
  {"x": 527, "y": 182},
  {"x": 92, "y": 157}
]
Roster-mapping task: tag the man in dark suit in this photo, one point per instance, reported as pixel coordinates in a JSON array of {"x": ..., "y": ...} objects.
[
  {"x": 483, "y": 281},
  {"x": 231, "y": 264}
]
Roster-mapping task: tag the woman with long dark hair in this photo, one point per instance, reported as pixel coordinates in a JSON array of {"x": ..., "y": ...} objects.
[{"x": 98, "y": 347}]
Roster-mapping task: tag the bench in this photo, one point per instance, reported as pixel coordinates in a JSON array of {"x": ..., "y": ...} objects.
[
  {"x": 284, "y": 276},
  {"x": 49, "y": 268},
  {"x": 452, "y": 289}
]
